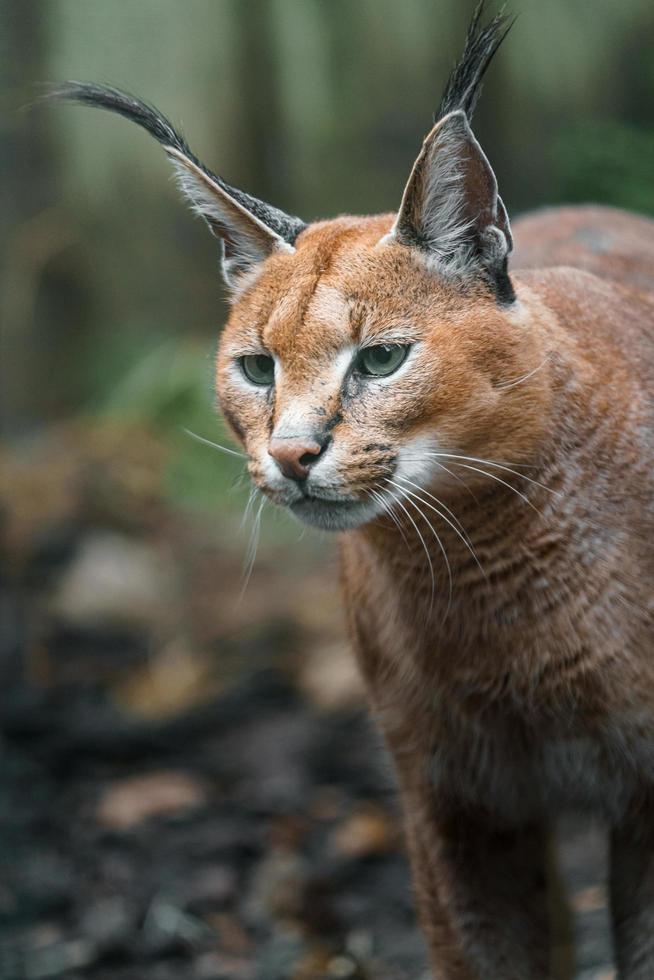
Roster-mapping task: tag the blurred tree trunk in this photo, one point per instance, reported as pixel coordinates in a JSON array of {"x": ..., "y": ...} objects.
[
  {"x": 35, "y": 231},
  {"x": 24, "y": 177},
  {"x": 261, "y": 125}
]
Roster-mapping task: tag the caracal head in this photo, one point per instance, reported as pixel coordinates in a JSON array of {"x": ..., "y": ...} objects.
[
  {"x": 349, "y": 363},
  {"x": 359, "y": 351}
]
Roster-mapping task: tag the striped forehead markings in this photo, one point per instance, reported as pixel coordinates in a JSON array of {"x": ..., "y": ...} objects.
[
  {"x": 329, "y": 307},
  {"x": 323, "y": 306}
]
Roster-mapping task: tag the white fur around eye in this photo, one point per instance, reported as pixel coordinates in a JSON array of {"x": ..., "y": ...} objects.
[
  {"x": 241, "y": 387},
  {"x": 394, "y": 376}
]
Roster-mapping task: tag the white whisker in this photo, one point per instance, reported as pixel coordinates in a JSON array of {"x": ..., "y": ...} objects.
[
  {"x": 252, "y": 548},
  {"x": 385, "y": 505},
  {"x": 446, "y": 469},
  {"x": 440, "y": 545},
  {"x": 499, "y": 466},
  {"x": 248, "y": 507},
  {"x": 214, "y": 445},
  {"x": 497, "y": 479},
  {"x": 458, "y": 478},
  {"x": 424, "y": 545},
  {"x": 505, "y": 385},
  {"x": 463, "y": 536},
  {"x": 437, "y": 501}
]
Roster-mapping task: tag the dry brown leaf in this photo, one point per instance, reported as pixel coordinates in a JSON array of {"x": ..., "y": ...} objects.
[
  {"x": 590, "y": 899},
  {"x": 365, "y": 832},
  {"x": 132, "y": 801}
]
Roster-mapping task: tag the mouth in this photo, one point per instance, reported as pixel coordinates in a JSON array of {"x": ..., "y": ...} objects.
[{"x": 332, "y": 514}]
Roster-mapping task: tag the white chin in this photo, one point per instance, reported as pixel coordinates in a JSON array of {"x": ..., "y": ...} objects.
[{"x": 334, "y": 515}]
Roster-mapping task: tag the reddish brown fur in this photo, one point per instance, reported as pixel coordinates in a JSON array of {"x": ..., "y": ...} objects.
[
  {"x": 534, "y": 689},
  {"x": 605, "y": 241}
]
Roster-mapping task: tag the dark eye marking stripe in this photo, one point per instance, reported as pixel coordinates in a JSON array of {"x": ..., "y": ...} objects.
[
  {"x": 334, "y": 420},
  {"x": 232, "y": 421},
  {"x": 271, "y": 398},
  {"x": 382, "y": 447}
]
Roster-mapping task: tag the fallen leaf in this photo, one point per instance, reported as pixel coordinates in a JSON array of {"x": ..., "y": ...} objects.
[
  {"x": 590, "y": 899},
  {"x": 132, "y": 801},
  {"x": 365, "y": 832},
  {"x": 330, "y": 677}
]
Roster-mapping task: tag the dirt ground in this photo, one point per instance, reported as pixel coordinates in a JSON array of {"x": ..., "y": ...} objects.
[{"x": 191, "y": 786}]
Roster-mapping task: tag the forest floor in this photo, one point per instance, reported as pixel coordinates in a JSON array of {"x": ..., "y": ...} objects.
[{"x": 191, "y": 788}]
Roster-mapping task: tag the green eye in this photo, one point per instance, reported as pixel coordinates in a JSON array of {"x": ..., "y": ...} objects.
[
  {"x": 382, "y": 359},
  {"x": 258, "y": 368}
]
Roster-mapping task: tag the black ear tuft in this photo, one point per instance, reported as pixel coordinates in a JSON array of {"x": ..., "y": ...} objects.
[
  {"x": 451, "y": 210},
  {"x": 124, "y": 104},
  {"x": 464, "y": 84},
  {"x": 158, "y": 126}
]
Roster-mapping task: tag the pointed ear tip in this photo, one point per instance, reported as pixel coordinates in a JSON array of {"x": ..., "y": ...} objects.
[
  {"x": 452, "y": 120},
  {"x": 458, "y": 118}
]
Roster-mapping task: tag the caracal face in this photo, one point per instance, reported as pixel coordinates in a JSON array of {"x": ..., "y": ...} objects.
[{"x": 352, "y": 348}]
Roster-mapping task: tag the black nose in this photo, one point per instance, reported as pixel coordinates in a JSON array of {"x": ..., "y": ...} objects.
[{"x": 296, "y": 456}]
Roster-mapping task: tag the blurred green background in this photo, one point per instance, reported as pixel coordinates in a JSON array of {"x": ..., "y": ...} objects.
[{"x": 111, "y": 297}]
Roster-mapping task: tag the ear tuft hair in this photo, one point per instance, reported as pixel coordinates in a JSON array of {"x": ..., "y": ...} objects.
[
  {"x": 158, "y": 126},
  {"x": 451, "y": 211},
  {"x": 465, "y": 82}
]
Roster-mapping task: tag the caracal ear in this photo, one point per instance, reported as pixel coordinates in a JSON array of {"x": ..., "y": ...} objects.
[
  {"x": 451, "y": 209},
  {"x": 249, "y": 229},
  {"x": 246, "y": 238}
]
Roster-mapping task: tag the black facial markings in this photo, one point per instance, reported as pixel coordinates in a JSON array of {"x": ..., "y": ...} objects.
[
  {"x": 323, "y": 435},
  {"x": 233, "y": 422},
  {"x": 382, "y": 447},
  {"x": 270, "y": 419},
  {"x": 334, "y": 420},
  {"x": 502, "y": 285},
  {"x": 323, "y": 439},
  {"x": 351, "y": 386},
  {"x": 372, "y": 466}
]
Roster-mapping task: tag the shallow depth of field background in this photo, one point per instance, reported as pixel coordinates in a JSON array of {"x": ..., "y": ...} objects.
[{"x": 190, "y": 784}]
